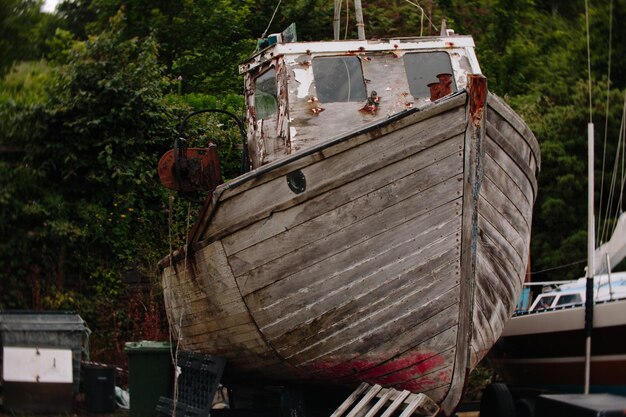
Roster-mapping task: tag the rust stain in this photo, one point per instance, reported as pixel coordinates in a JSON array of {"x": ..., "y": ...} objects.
[
  {"x": 373, "y": 102},
  {"x": 477, "y": 86},
  {"x": 441, "y": 88}
]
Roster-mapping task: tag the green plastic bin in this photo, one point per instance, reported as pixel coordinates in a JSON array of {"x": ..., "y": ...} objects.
[{"x": 150, "y": 375}]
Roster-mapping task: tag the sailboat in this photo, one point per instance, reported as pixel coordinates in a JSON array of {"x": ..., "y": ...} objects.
[
  {"x": 573, "y": 336},
  {"x": 383, "y": 230},
  {"x": 543, "y": 348}
]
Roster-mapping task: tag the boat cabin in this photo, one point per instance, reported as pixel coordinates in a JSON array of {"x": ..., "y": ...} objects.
[
  {"x": 554, "y": 300},
  {"x": 304, "y": 93},
  {"x": 607, "y": 287}
]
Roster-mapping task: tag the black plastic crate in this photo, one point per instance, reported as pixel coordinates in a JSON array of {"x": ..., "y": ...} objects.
[{"x": 197, "y": 384}]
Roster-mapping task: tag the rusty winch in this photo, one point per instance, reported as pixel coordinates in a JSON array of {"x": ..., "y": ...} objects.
[{"x": 189, "y": 170}]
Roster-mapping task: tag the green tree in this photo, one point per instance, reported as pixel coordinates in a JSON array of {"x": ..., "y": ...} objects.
[
  {"x": 21, "y": 24},
  {"x": 200, "y": 41},
  {"x": 88, "y": 199}
]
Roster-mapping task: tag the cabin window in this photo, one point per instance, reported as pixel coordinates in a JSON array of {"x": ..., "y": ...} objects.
[
  {"x": 569, "y": 299},
  {"x": 422, "y": 69},
  {"x": 339, "y": 79},
  {"x": 544, "y": 302},
  {"x": 265, "y": 93}
]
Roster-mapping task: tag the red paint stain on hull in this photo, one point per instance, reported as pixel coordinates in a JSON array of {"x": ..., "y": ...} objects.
[
  {"x": 403, "y": 369},
  {"x": 430, "y": 381},
  {"x": 412, "y": 372}
]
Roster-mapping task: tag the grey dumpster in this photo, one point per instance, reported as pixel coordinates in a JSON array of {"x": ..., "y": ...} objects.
[{"x": 55, "y": 337}]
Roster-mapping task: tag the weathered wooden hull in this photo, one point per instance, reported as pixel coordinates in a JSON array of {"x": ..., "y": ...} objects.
[{"x": 398, "y": 264}]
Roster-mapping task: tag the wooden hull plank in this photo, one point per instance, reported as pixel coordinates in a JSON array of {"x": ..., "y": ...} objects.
[
  {"x": 414, "y": 356},
  {"x": 360, "y": 198},
  {"x": 421, "y": 370},
  {"x": 342, "y": 143},
  {"x": 440, "y": 378},
  {"x": 358, "y": 312},
  {"x": 500, "y": 150},
  {"x": 333, "y": 245},
  {"x": 236, "y": 212},
  {"x": 497, "y": 105},
  {"x": 307, "y": 332},
  {"x": 416, "y": 209},
  {"x": 437, "y": 297},
  {"x": 391, "y": 247},
  {"x": 509, "y": 187}
]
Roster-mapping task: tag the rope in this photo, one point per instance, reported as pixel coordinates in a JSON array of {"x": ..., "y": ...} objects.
[
  {"x": 606, "y": 127},
  {"x": 271, "y": 20},
  {"x": 423, "y": 14},
  {"x": 174, "y": 353},
  {"x": 621, "y": 145},
  {"x": 559, "y": 267},
  {"x": 345, "y": 36},
  {"x": 169, "y": 228}
]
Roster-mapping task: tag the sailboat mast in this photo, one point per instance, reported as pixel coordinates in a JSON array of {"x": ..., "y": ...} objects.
[{"x": 590, "y": 254}]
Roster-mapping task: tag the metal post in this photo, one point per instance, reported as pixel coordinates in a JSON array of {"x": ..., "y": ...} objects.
[
  {"x": 590, "y": 255},
  {"x": 336, "y": 21},
  {"x": 360, "y": 25}
]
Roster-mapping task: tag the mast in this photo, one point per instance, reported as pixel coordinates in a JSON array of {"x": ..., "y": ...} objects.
[
  {"x": 591, "y": 233},
  {"x": 360, "y": 25},
  {"x": 336, "y": 21},
  {"x": 590, "y": 255}
]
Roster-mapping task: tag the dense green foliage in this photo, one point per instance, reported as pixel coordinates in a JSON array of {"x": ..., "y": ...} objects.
[{"x": 91, "y": 96}]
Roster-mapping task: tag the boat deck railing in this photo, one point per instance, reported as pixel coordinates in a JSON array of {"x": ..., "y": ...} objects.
[{"x": 566, "y": 307}]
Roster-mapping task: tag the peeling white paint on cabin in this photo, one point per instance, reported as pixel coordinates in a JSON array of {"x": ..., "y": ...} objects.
[
  {"x": 304, "y": 78},
  {"x": 306, "y": 116}
]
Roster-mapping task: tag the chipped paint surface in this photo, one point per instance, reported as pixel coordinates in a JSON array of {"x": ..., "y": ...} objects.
[
  {"x": 302, "y": 121},
  {"x": 351, "y": 46},
  {"x": 304, "y": 78}
]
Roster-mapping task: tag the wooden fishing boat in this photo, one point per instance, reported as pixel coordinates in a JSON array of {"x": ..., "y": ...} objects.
[{"x": 383, "y": 232}]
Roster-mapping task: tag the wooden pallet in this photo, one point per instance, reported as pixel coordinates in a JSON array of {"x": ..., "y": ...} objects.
[{"x": 385, "y": 402}]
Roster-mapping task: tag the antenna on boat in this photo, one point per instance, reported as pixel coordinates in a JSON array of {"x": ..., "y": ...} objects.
[
  {"x": 360, "y": 25},
  {"x": 336, "y": 20}
]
